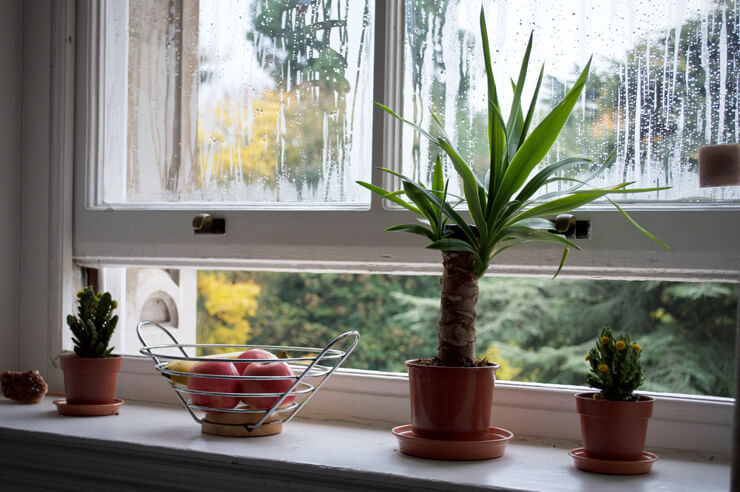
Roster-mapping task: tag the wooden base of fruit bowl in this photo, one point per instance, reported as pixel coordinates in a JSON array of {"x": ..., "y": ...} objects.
[{"x": 232, "y": 424}]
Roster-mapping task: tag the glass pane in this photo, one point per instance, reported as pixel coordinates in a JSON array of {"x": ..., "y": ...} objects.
[
  {"x": 664, "y": 81},
  {"x": 253, "y": 102},
  {"x": 538, "y": 329}
]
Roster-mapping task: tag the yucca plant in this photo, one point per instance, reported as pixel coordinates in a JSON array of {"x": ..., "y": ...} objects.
[
  {"x": 505, "y": 208},
  {"x": 94, "y": 324}
]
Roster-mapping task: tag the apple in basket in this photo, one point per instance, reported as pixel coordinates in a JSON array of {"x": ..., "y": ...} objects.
[
  {"x": 214, "y": 384},
  {"x": 252, "y": 354},
  {"x": 263, "y": 369}
]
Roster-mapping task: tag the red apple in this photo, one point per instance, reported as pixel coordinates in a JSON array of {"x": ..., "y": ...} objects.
[
  {"x": 252, "y": 354},
  {"x": 262, "y": 369},
  {"x": 214, "y": 384}
]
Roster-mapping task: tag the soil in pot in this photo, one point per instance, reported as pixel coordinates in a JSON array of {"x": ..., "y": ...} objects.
[
  {"x": 90, "y": 381},
  {"x": 451, "y": 403},
  {"x": 613, "y": 430}
]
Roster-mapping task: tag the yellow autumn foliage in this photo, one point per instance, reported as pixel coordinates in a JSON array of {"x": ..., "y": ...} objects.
[
  {"x": 506, "y": 372},
  {"x": 279, "y": 133},
  {"x": 228, "y": 302}
]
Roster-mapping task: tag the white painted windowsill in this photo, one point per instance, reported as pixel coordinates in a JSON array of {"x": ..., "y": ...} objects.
[{"x": 149, "y": 447}]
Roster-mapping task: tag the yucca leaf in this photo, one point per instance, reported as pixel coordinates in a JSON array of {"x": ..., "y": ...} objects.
[
  {"x": 539, "y": 142},
  {"x": 530, "y": 234},
  {"x": 451, "y": 244},
  {"x": 562, "y": 261},
  {"x": 471, "y": 186},
  {"x": 536, "y": 223},
  {"x": 418, "y": 128},
  {"x": 540, "y": 179},
  {"x": 390, "y": 196},
  {"x": 625, "y": 190},
  {"x": 446, "y": 207},
  {"x": 428, "y": 210},
  {"x": 516, "y": 120},
  {"x": 559, "y": 205},
  {"x": 638, "y": 226},
  {"x": 530, "y": 111},
  {"x": 438, "y": 180},
  {"x": 414, "y": 229}
]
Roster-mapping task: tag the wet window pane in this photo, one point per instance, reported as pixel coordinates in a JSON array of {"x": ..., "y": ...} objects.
[
  {"x": 253, "y": 102},
  {"x": 664, "y": 80}
]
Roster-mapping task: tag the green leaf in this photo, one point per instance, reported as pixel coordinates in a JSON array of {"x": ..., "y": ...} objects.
[
  {"x": 470, "y": 186},
  {"x": 496, "y": 125},
  {"x": 452, "y": 245},
  {"x": 638, "y": 226},
  {"x": 516, "y": 121},
  {"x": 414, "y": 229},
  {"x": 438, "y": 180},
  {"x": 418, "y": 128},
  {"x": 428, "y": 209},
  {"x": 539, "y": 142},
  {"x": 530, "y": 112},
  {"x": 540, "y": 179},
  {"x": 530, "y": 234},
  {"x": 559, "y": 205},
  {"x": 389, "y": 196},
  {"x": 562, "y": 261}
]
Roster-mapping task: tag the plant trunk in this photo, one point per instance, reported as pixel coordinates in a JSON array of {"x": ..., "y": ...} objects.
[{"x": 456, "y": 333}]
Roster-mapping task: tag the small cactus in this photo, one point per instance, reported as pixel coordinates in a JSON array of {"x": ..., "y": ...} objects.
[
  {"x": 94, "y": 324},
  {"x": 615, "y": 367}
]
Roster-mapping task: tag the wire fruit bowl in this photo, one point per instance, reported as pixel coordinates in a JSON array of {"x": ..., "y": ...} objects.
[{"x": 311, "y": 367}]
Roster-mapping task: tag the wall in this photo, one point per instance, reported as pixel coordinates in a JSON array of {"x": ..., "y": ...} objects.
[{"x": 10, "y": 178}]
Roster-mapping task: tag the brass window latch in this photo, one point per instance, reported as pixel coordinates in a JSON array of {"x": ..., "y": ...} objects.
[{"x": 205, "y": 224}]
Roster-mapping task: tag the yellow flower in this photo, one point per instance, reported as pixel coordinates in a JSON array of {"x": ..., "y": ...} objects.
[
  {"x": 588, "y": 356},
  {"x": 604, "y": 340},
  {"x": 603, "y": 368},
  {"x": 620, "y": 345},
  {"x": 598, "y": 396},
  {"x": 636, "y": 347}
]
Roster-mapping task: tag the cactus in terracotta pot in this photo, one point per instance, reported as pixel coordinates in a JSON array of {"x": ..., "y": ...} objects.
[
  {"x": 615, "y": 367},
  {"x": 90, "y": 372},
  {"x": 94, "y": 324},
  {"x": 614, "y": 421}
]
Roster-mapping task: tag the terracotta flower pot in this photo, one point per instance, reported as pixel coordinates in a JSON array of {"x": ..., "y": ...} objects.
[
  {"x": 613, "y": 430},
  {"x": 90, "y": 381},
  {"x": 451, "y": 403}
]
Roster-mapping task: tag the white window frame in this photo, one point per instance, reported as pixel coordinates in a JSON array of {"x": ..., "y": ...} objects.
[{"x": 60, "y": 234}]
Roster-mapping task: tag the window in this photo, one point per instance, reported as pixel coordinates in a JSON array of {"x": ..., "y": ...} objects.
[{"x": 280, "y": 235}]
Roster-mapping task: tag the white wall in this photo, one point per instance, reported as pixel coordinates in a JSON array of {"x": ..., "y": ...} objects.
[{"x": 10, "y": 179}]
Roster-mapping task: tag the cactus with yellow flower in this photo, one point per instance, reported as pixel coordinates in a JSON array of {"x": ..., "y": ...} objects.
[{"x": 615, "y": 367}]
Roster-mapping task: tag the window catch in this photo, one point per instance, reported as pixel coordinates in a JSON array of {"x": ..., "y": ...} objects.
[
  {"x": 205, "y": 224},
  {"x": 568, "y": 226}
]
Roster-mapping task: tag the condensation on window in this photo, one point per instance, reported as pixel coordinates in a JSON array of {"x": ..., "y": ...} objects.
[
  {"x": 248, "y": 102},
  {"x": 664, "y": 81}
]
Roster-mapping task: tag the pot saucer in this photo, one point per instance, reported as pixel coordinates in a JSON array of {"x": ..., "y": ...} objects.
[
  {"x": 615, "y": 467},
  {"x": 493, "y": 447},
  {"x": 88, "y": 410}
]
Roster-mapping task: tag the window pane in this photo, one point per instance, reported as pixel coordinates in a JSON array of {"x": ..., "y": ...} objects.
[
  {"x": 537, "y": 329},
  {"x": 254, "y": 102},
  {"x": 664, "y": 81}
]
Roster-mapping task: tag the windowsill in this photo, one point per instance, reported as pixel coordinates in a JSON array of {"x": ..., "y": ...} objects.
[{"x": 161, "y": 445}]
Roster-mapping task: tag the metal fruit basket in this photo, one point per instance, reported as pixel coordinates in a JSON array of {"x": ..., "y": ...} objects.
[{"x": 311, "y": 366}]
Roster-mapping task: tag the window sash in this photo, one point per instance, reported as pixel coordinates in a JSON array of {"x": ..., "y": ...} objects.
[{"x": 355, "y": 238}]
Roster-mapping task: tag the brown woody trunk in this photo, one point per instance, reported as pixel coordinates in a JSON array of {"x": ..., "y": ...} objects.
[{"x": 458, "y": 310}]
